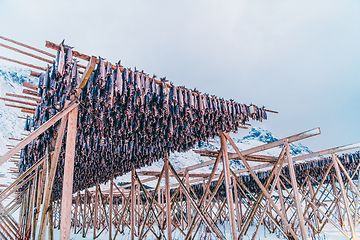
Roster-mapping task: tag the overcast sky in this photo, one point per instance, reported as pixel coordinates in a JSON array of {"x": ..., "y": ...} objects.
[{"x": 301, "y": 58}]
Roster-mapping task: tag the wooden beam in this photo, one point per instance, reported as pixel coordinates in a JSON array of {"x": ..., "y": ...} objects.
[
  {"x": 29, "y": 85},
  {"x": 26, "y": 53},
  {"x": 17, "y": 101},
  {"x": 22, "y": 63},
  {"x": 188, "y": 204},
  {"x": 68, "y": 178},
  {"x": 53, "y": 167},
  {"x": 27, "y": 111},
  {"x": 167, "y": 196},
  {"x": 132, "y": 208},
  {"x": 111, "y": 208},
  {"x": 85, "y": 77},
  {"x": 24, "y": 97},
  {"x": 228, "y": 186},
  {"x": 296, "y": 191},
  {"x": 157, "y": 173},
  {"x": 75, "y": 53},
  {"x": 34, "y": 74},
  {"x": 27, "y": 46},
  {"x": 21, "y": 107},
  {"x": 30, "y": 92}
]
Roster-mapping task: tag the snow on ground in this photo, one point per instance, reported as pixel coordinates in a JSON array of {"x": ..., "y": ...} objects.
[{"x": 329, "y": 233}]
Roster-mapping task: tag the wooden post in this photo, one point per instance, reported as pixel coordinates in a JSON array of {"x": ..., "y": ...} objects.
[
  {"x": 188, "y": 204},
  {"x": 95, "y": 210},
  {"x": 357, "y": 202},
  {"x": 237, "y": 204},
  {"x": 76, "y": 211},
  {"x": 138, "y": 206},
  {"x": 167, "y": 197},
  {"x": 344, "y": 196},
  {"x": 335, "y": 193},
  {"x": 51, "y": 222},
  {"x": 228, "y": 187},
  {"x": 66, "y": 201},
  {"x": 111, "y": 208},
  {"x": 295, "y": 189},
  {"x": 281, "y": 197},
  {"x": 182, "y": 210},
  {"x": 84, "y": 214},
  {"x": 133, "y": 199},
  {"x": 159, "y": 201},
  {"x": 316, "y": 213},
  {"x": 32, "y": 201}
]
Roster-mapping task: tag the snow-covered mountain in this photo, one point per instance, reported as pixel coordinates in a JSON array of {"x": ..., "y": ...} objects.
[{"x": 11, "y": 79}]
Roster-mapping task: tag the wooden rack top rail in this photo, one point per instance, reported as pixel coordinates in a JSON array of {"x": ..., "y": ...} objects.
[{"x": 85, "y": 57}]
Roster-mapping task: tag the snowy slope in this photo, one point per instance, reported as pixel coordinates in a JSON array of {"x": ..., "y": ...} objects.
[{"x": 11, "y": 79}]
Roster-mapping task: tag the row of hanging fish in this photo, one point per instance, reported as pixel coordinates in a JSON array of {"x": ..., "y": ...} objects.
[
  {"x": 315, "y": 169},
  {"x": 126, "y": 119}
]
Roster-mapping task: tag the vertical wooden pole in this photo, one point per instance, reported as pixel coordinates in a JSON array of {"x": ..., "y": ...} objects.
[
  {"x": 188, "y": 204},
  {"x": 316, "y": 212},
  {"x": 167, "y": 196},
  {"x": 138, "y": 206},
  {"x": 29, "y": 220},
  {"x": 296, "y": 191},
  {"x": 159, "y": 201},
  {"x": 95, "y": 210},
  {"x": 68, "y": 178},
  {"x": 182, "y": 210},
  {"x": 345, "y": 198},
  {"x": 111, "y": 208},
  {"x": 51, "y": 220},
  {"x": 59, "y": 214},
  {"x": 84, "y": 214},
  {"x": 237, "y": 204},
  {"x": 335, "y": 192},
  {"x": 228, "y": 187},
  {"x": 42, "y": 176},
  {"x": 133, "y": 199},
  {"x": 281, "y": 197},
  {"x": 357, "y": 202},
  {"x": 36, "y": 191},
  {"x": 76, "y": 211}
]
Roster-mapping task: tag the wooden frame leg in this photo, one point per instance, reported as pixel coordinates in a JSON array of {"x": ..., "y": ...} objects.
[
  {"x": 228, "y": 187},
  {"x": 167, "y": 197},
  {"x": 66, "y": 201},
  {"x": 296, "y": 191},
  {"x": 133, "y": 199}
]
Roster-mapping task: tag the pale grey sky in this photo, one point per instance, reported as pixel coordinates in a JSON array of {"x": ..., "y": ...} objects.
[{"x": 301, "y": 58}]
